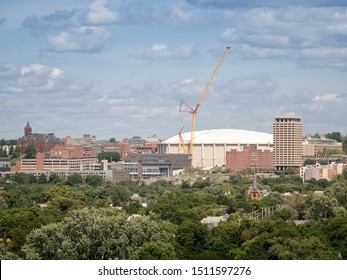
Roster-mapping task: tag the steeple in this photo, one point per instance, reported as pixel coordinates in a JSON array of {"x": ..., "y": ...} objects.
[
  {"x": 255, "y": 189},
  {"x": 27, "y": 129}
]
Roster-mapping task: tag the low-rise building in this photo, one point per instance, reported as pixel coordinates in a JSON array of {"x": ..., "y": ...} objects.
[
  {"x": 79, "y": 141},
  {"x": 5, "y": 164},
  {"x": 155, "y": 165},
  {"x": 214, "y": 221},
  {"x": 319, "y": 171},
  {"x": 40, "y": 163},
  {"x": 315, "y": 146}
]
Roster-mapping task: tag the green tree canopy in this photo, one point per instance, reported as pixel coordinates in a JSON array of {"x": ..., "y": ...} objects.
[
  {"x": 192, "y": 236},
  {"x": 74, "y": 179},
  {"x": 311, "y": 248},
  {"x": 42, "y": 179},
  {"x": 94, "y": 180},
  {"x": 110, "y": 156},
  {"x": 323, "y": 207},
  {"x": 16, "y": 152},
  {"x": 30, "y": 152},
  {"x": 155, "y": 251},
  {"x": 54, "y": 178},
  {"x": 94, "y": 234},
  {"x": 334, "y": 135}
]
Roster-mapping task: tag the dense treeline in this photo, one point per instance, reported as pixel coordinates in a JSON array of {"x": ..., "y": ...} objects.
[{"x": 78, "y": 222}]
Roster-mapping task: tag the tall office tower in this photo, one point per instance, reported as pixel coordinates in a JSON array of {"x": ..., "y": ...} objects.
[{"x": 287, "y": 141}]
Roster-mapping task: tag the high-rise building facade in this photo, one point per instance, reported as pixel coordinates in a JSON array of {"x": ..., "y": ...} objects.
[{"x": 287, "y": 142}]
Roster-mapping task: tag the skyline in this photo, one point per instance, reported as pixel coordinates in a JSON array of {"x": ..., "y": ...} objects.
[{"x": 121, "y": 68}]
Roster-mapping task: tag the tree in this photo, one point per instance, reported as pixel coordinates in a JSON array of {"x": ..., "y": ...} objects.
[
  {"x": 323, "y": 207},
  {"x": 20, "y": 178},
  {"x": 11, "y": 150},
  {"x": 334, "y": 135},
  {"x": 16, "y": 152},
  {"x": 323, "y": 183},
  {"x": 3, "y": 153},
  {"x": 192, "y": 236},
  {"x": 31, "y": 178},
  {"x": 344, "y": 144},
  {"x": 200, "y": 184},
  {"x": 5, "y": 254},
  {"x": 185, "y": 184},
  {"x": 224, "y": 238},
  {"x": 309, "y": 161},
  {"x": 255, "y": 249},
  {"x": 155, "y": 251},
  {"x": 64, "y": 198},
  {"x": 330, "y": 152},
  {"x": 311, "y": 248},
  {"x": 338, "y": 190},
  {"x": 134, "y": 207},
  {"x": 94, "y": 180},
  {"x": 119, "y": 195},
  {"x": 30, "y": 152},
  {"x": 54, "y": 178},
  {"x": 74, "y": 179},
  {"x": 337, "y": 233},
  {"x": 344, "y": 173},
  {"x": 110, "y": 156},
  {"x": 16, "y": 224},
  {"x": 42, "y": 179},
  {"x": 94, "y": 234}
]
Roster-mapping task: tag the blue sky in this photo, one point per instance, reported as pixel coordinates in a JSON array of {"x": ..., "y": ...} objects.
[{"x": 121, "y": 68}]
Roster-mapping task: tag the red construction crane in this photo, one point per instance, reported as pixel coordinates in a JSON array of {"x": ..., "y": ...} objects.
[{"x": 192, "y": 110}]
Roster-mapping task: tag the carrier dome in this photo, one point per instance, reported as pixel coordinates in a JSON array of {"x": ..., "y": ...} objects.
[
  {"x": 211, "y": 146},
  {"x": 224, "y": 136}
]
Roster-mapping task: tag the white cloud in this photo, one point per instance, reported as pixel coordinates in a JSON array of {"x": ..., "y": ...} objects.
[
  {"x": 267, "y": 3},
  {"x": 98, "y": 13},
  {"x": 55, "y": 21},
  {"x": 310, "y": 36},
  {"x": 82, "y": 39},
  {"x": 81, "y": 30},
  {"x": 180, "y": 12},
  {"x": 38, "y": 92},
  {"x": 163, "y": 52},
  {"x": 36, "y": 78},
  {"x": 327, "y": 97},
  {"x": 248, "y": 51},
  {"x": 326, "y": 52}
]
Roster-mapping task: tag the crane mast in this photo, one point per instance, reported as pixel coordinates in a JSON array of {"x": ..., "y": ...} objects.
[
  {"x": 194, "y": 110},
  {"x": 183, "y": 144}
]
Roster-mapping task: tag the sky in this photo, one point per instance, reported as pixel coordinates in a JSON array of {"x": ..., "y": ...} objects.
[{"x": 115, "y": 68}]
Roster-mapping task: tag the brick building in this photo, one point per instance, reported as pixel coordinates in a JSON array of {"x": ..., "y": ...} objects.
[
  {"x": 249, "y": 157},
  {"x": 43, "y": 142}
]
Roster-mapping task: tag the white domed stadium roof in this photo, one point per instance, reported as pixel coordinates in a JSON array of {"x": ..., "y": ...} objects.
[{"x": 224, "y": 136}]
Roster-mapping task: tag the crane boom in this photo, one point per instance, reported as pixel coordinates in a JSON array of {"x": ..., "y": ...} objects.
[
  {"x": 192, "y": 110},
  {"x": 203, "y": 95},
  {"x": 183, "y": 144}
]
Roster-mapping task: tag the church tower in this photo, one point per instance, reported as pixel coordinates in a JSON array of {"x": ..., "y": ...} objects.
[
  {"x": 27, "y": 130},
  {"x": 255, "y": 189}
]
